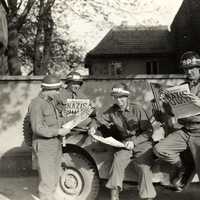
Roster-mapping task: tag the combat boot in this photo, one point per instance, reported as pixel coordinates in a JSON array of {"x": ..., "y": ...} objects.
[
  {"x": 178, "y": 180},
  {"x": 114, "y": 194}
]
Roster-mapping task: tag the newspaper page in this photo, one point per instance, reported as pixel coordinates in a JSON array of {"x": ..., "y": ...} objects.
[
  {"x": 77, "y": 111},
  {"x": 178, "y": 98},
  {"x": 74, "y": 107},
  {"x": 108, "y": 140}
]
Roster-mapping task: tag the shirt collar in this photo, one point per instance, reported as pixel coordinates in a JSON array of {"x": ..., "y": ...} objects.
[
  {"x": 45, "y": 96},
  {"x": 127, "y": 109}
]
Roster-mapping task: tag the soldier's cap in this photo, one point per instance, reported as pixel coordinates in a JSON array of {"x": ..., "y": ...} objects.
[
  {"x": 51, "y": 82},
  {"x": 120, "y": 89},
  {"x": 74, "y": 77}
]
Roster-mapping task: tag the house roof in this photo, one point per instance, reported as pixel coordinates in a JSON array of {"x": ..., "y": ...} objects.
[{"x": 135, "y": 40}]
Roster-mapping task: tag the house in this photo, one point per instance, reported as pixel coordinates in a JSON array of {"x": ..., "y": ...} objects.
[
  {"x": 133, "y": 50},
  {"x": 185, "y": 27}
]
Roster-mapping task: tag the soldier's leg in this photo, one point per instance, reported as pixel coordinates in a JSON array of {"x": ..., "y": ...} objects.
[
  {"x": 169, "y": 148},
  {"x": 58, "y": 160},
  {"x": 194, "y": 144},
  {"x": 47, "y": 164},
  {"x": 143, "y": 163},
  {"x": 121, "y": 160}
]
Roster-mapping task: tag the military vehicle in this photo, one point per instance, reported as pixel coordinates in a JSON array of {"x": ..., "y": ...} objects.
[{"x": 86, "y": 162}]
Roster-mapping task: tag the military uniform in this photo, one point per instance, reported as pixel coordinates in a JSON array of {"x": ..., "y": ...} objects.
[
  {"x": 47, "y": 147},
  {"x": 69, "y": 113},
  {"x": 130, "y": 125},
  {"x": 188, "y": 135}
]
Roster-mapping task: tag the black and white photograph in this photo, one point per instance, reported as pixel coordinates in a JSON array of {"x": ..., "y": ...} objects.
[{"x": 99, "y": 99}]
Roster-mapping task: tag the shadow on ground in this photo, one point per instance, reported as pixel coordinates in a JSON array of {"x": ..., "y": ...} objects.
[{"x": 25, "y": 188}]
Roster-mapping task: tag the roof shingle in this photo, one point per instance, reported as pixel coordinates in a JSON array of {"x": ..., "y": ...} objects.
[{"x": 135, "y": 40}]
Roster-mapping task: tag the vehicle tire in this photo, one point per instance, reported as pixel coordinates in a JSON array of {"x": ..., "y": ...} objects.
[
  {"x": 80, "y": 180},
  {"x": 27, "y": 131}
]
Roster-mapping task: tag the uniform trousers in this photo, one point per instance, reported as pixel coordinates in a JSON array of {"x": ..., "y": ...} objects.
[
  {"x": 169, "y": 149},
  {"x": 48, "y": 154},
  {"x": 142, "y": 159}
]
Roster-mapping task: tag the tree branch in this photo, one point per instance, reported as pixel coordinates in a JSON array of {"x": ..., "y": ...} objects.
[{"x": 23, "y": 16}]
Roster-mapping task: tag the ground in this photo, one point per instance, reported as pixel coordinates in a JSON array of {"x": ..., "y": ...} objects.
[{"x": 25, "y": 188}]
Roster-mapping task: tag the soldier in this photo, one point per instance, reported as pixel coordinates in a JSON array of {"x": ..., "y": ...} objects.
[
  {"x": 45, "y": 124},
  {"x": 188, "y": 134},
  {"x": 129, "y": 124},
  {"x": 73, "y": 91}
]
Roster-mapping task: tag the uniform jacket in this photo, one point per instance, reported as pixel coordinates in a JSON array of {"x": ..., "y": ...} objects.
[
  {"x": 131, "y": 124},
  {"x": 192, "y": 124},
  {"x": 44, "y": 118}
]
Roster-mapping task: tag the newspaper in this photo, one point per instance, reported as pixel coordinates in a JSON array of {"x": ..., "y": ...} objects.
[
  {"x": 74, "y": 106},
  {"x": 80, "y": 117},
  {"x": 75, "y": 112},
  {"x": 108, "y": 140},
  {"x": 179, "y": 98}
]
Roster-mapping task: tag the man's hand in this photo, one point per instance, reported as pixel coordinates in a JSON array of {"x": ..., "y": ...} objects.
[
  {"x": 63, "y": 131},
  {"x": 129, "y": 145},
  {"x": 197, "y": 102},
  {"x": 92, "y": 131},
  {"x": 92, "y": 104},
  {"x": 194, "y": 98}
]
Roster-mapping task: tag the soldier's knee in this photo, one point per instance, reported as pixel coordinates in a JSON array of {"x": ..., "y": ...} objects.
[
  {"x": 144, "y": 169},
  {"x": 158, "y": 150}
]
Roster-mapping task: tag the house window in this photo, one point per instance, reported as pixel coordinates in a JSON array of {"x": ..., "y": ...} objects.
[
  {"x": 105, "y": 70},
  {"x": 152, "y": 67},
  {"x": 91, "y": 70},
  {"x": 115, "y": 68}
]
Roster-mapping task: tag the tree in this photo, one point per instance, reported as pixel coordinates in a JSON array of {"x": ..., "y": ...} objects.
[
  {"x": 43, "y": 37},
  {"x": 39, "y": 30},
  {"x": 16, "y": 21},
  {"x": 3, "y": 35}
]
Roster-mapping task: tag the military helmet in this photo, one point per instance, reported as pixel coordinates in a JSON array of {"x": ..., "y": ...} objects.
[
  {"x": 74, "y": 77},
  {"x": 190, "y": 59},
  {"x": 120, "y": 89},
  {"x": 51, "y": 82}
]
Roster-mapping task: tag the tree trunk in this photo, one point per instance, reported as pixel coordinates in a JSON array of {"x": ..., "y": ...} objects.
[
  {"x": 48, "y": 31},
  {"x": 13, "y": 63},
  {"x": 43, "y": 38},
  {"x": 14, "y": 25}
]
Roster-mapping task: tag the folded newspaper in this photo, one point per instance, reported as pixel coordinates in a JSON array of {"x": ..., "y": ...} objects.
[
  {"x": 108, "y": 140},
  {"x": 78, "y": 111},
  {"x": 179, "y": 98}
]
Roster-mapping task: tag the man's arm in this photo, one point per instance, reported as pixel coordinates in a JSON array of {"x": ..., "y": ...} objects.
[
  {"x": 98, "y": 120},
  {"x": 38, "y": 124},
  {"x": 145, "y": 127}
]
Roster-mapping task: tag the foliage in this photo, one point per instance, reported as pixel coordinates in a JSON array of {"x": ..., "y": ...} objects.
[
  {"x": 78, "y": 27},
  {"x": 64, "y": 53}
]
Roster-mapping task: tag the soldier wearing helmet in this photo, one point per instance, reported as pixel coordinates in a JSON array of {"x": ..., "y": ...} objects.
[
  {"x": 46, "y": 127},
  {"x": 73, "y": 89},
  {"x": 72, "y": 100},
  {"x": 128, "y": 123},
  {"x": 187, "y": 134},
  {"x": 190, "y": 63}
]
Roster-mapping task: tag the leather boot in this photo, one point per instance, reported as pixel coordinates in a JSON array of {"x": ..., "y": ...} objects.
[
  {"x": 178, "y": 180},
  {"x": 114, "y": 194}
]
